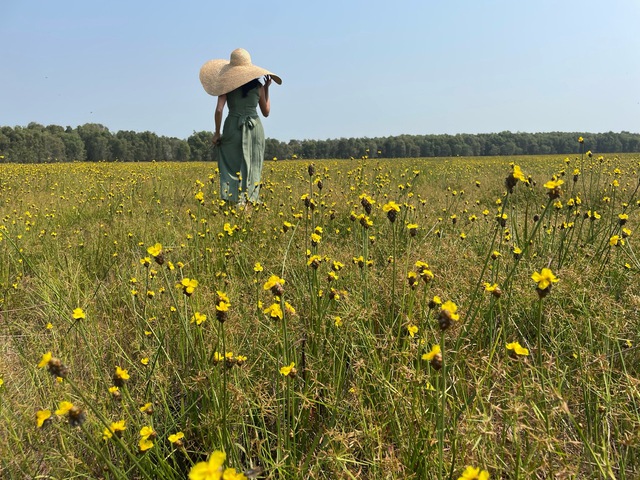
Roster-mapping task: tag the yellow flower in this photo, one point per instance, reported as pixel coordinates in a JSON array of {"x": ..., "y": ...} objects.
[
  {"x": 518, "y": 349},
  {"x": 120, "y": 376},
  {"x": 145, "y": 444},
  {"x": 337, "y": 321},
  {"x": 64, "y": 407},
  {"x": 230, "y": 229},
  {"x": 188, "y": 285},
  {"x": 144, "y": 361},
  {"x": 435, "y": 350},
  {"x": 435, "y": 301},
  {"x": 471, "y": 473},
  {"x": 122, "y": 373},
  {"x": 518, "y": 175},
  {"x": 544, "y": 278},
  {"x": 616, "y": 240},
  {"x": 553, "y": 184},
  {"x": 78, "y": 314},
  {"x": 198, "y": 318},
  {"x": 288, "y": 369},
  {"x": 115, "y": 428},
  {"x": 155, "y": 250},
  {"x": 289, "y": 308},
  {"x": 44, "y": 361},
  {"x": 314, "y": 261},
  {"x": 144, "y": 408},
  {"x": 412, "y": 329},
  {"x": 42, "y": 416},
  {"x": 209, "y": 470},
  {"x": 146, "y": 432},
  {"x": 315, "y": 239},
  {"x": 274, "y": 311},
  {"x": 222, "y": 297},
  {"x": 451, "y": 308},
  {"x": 391, "y": 206},
  {"x": 257, "y": 267},
  {"x": 489, "y": 288},
  {"x": 272, "y": 282},
  {"x": 231, "y": 474},
  {"x": 176, "y": 437},
  {"x": 420, "y": 265}
]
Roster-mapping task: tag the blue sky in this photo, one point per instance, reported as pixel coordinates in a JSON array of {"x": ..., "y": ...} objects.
[{"x": 349, "y": 68}]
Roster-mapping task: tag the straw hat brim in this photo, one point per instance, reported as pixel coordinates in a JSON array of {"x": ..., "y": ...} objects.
[{"x": 219, "y": 77}]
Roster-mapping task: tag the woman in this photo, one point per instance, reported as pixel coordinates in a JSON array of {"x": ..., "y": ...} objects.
[{"x": 240, "y": 147}]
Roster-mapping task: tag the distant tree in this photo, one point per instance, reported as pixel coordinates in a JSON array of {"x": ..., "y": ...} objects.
[
  {"x": 508, "y": 148},
  {"x": 309, "y": 148},
  {"x": 201, "y": 146},
  {"x": 119, "y": 149},
  {"x": 94, "y": 142},
  {"x": 73, "y": 145}
]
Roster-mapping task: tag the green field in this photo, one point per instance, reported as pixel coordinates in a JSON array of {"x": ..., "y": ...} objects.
[{"x": 298, "y": 336}]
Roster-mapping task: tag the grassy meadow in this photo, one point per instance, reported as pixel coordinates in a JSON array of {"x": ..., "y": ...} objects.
[{"x": 447, "y": 318}]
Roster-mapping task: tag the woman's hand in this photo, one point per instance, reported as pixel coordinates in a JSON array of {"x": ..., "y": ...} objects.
[
  {"x": 216, "y": 138},
  {"x": 267, "y": 81}
]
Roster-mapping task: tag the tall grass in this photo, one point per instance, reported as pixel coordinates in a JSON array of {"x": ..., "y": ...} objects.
[{"x": 297, "y": 336}]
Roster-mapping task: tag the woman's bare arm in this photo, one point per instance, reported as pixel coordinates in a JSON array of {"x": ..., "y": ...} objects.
[
  {"x": 222, "y": 100},
  {"x": 265, "y": 104}
]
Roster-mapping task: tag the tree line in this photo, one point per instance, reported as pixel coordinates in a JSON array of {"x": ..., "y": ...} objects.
[{"x": 94, "y": 142}]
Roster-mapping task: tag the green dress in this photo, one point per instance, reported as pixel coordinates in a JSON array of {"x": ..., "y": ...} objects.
[{"x": 241, "y": 150}]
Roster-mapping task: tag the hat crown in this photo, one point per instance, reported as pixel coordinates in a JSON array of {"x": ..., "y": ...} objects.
[{"x": 240, "y": 57}]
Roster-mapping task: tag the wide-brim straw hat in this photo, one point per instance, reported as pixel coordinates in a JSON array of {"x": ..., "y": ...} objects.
[{"x": 221, "y": 76}]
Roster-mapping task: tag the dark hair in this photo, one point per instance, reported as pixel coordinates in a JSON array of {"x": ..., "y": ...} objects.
[{"x": 247, "y": 87}]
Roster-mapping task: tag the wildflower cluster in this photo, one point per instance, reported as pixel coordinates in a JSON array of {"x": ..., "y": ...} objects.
[
  {"x": 229, "y": 359},
  {"x": 213, "y": 469}
]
